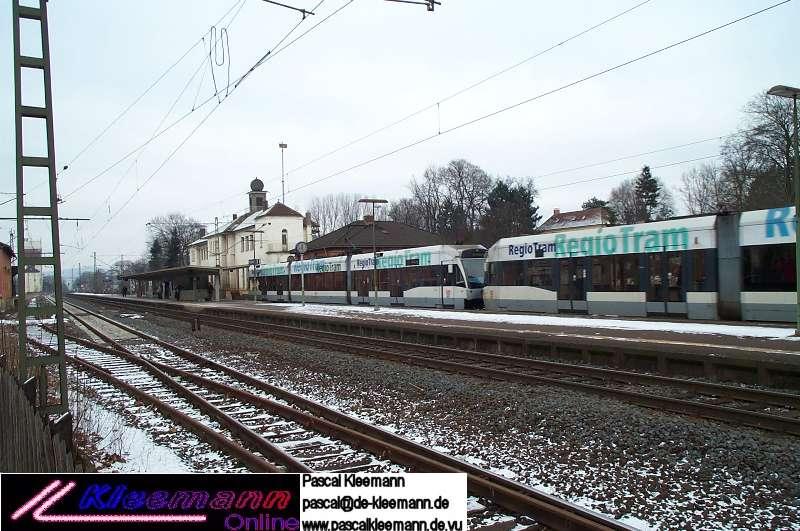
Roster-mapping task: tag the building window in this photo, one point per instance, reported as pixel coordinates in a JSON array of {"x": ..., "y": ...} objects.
[
  {"x": 242, "y": 244},
  {"x": 285, "y": 239}
]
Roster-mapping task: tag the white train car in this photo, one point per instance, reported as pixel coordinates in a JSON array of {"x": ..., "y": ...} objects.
[
  {"x": 767, "y": 240},
  {"x": 441, "y": 276},
  {"x": 660, "y": 268}
]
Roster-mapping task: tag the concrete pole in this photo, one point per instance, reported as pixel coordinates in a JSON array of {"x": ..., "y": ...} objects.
[
  {"x": 374, "y": 258},
  {"x": 302, "y": 281},
  {"x": 796, "y": 212}
]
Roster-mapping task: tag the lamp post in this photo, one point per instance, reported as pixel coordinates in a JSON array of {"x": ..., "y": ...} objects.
[
  {"x": 791, "y": 92},
  {"x": 374, "y": 247},
  {"x": 283, "y": 145}
]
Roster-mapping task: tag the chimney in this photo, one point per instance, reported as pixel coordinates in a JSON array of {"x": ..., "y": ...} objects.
[
  {"x": 235, "y": 216},
  {"x": 556, "y": 211}
]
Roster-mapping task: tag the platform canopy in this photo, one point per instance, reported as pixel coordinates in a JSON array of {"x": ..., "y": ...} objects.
[{"x": 171, "y": 273}]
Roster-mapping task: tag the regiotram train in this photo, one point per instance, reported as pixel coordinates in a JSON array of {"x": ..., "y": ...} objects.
[
  {"x": 441, "y": 276},
  {"x": 734, "y": 267},
  {"x": 738, "y": 266}
]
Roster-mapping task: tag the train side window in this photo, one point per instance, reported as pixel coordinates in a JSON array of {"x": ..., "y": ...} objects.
[
  {"x": 539, "y": 274},
  {"x": 699, "y": 273},
  {"x": 654, "y": 292},
  {"x": 769, "y": 268},
  {"x": 512, "y": 273},
  {"x": 615, "y": 273},
  {"x": 675, "y": 276},
  {"x": 602, "y": 273}
]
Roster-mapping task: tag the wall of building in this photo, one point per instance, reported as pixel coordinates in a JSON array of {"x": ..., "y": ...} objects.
[{"x": 6, "y": 291}]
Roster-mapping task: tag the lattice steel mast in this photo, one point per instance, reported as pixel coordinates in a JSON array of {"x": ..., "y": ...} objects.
[{"x": 37, "y": 365}]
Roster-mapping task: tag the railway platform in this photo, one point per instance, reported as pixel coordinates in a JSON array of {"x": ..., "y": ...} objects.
[{"x": 735, "y": 352}]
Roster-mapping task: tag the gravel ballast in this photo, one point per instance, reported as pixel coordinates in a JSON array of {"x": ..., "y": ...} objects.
[{"x": 645, "y": 467}]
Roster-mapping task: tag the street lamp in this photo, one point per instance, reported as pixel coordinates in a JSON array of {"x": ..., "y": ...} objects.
[
  {"x": 374, "y": 248},
  {"x": 790, "y": 92},
  {"x": 283, "y": 146}
]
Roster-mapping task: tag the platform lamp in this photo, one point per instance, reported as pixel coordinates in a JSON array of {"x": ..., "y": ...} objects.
[
  {"x": 792, "y": 93},
  {"x": 374, "y": 247}
]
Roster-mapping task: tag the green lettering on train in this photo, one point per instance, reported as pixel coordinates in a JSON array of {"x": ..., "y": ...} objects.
[{"x": 628, "y": 241}]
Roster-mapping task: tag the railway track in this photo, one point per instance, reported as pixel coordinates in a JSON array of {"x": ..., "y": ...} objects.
[
  {"x": 765, "y": 409},
  {"x": 312, "y": 437}
]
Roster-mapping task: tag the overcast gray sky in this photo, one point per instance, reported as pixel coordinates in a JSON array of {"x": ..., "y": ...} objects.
[{"x": 369, "y": 65}]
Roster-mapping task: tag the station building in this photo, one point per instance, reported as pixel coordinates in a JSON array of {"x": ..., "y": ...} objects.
[{"x": 265, "y": 234}]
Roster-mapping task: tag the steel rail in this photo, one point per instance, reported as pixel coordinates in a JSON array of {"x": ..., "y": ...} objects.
[
  {"x": 237, "y": 428},
  {"x": 687, "y": 407},
  {"x": 548, "y": 510},
  {"x": 709, "y": 388},
  {"x": 253, "y": 462},
  {"x": 706, "y": 410}
]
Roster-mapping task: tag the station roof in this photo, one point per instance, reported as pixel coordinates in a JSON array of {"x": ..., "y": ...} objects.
[
  {"x": 388, "y": 235},
  {"x": 172, "y": 272}
]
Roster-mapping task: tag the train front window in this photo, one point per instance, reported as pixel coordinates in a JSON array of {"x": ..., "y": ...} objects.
[{"x": 473, "y": 269}]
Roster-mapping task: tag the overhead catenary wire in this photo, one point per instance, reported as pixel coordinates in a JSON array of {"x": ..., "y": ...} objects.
[
  {"x": 632, "y": 172},
  {"x": 168, "y": 112},
  {"x": 463, "y": 90},
  {"x": 130, "y": 106},
  {"x": 211, "y": 112},
  {"x": 211, "y": 98},
  {"x": 537, "y": 97},
  {"x": 637, "y": 155}
]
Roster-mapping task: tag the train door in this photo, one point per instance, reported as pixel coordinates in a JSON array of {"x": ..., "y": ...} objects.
[
  {"x": 397, "y": 285},
  {"x": 666, "y": 290},
  {"x": 573, "y": 275},
  {"x": 363, "y": 286}
]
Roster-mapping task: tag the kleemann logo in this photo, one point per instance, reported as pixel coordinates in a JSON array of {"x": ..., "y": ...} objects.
[{"x": 71, "y": 503}]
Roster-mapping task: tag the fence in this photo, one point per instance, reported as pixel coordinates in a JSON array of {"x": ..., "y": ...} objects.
[{"x": 28, "y": 443}]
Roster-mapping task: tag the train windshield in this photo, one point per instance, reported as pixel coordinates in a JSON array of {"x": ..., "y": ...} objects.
[{"x": 473, "y": 269}]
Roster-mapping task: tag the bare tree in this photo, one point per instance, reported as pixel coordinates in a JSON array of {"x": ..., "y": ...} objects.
[
  {"x": 334, "y": 211},
  {"x": 170, "y": 237},
  {"x": 406, "y": 211},
  {"x": 707, "y": 189},
  {"x": 757, "y": 162},
  {"x": 468, "y": 188},
  {"x": 770, "y": 135},
  {"x": 428, "y": 196},
  {"x": 626, "y": 203}
]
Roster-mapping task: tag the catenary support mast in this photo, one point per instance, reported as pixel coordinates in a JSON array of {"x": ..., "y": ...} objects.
[{"x": 54, "y": 401}]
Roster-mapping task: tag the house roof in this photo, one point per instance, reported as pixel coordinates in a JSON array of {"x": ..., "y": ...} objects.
[
  {"x": 279, "y": 209},
  {"x": 576, "y": 219},
  {"x": 249, "y": 220},
  {"x": 387, "y": 234}
]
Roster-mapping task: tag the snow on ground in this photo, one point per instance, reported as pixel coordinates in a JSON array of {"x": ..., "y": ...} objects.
[
  {"x": 684, "y": 327},
  {"x": 138, "y": 450}
]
